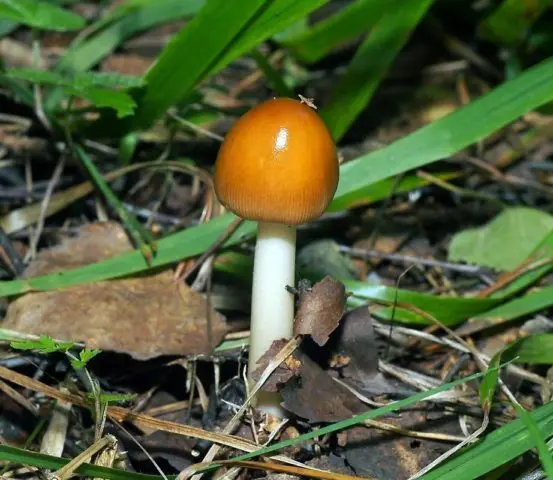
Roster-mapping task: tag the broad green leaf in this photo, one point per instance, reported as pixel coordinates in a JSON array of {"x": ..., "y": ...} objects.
[
  {"x": 383, "y": 189},
  {"x": 494, "y": 449},
  {"x": 277, "y": 16},
  {"x": 310, "y": 45},
  {"x": 489, "y": 383},
  {"x": 369, "y": 65},
  {"x": 509, "y": 23},
  {"x": 39, "y": 14},
  {"x": 450, "y": 134},
  {"x": 504, "y": 242}
]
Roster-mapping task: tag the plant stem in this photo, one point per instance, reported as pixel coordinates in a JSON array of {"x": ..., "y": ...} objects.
[{"x": 272, "y": 310}]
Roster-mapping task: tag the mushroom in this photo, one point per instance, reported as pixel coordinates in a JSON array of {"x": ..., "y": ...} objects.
[{"x": 277, "y": 166}]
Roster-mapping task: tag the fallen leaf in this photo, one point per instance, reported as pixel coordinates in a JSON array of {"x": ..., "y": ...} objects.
[
  {"x": 126, "y": 64},
  {"x": 355, "y": 341},
  {"x": 383, "y": 454},
  {"x": 282, "y": 373},
  {"x": 505, "y": 242},
  {"x": 315, "y": 396},
  {"x": 146, "y": 316},
  {"x": 320, "y": 310}
]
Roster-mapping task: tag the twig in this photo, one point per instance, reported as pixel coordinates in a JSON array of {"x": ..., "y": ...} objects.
[
  {"x": 13, "y": 258},
  {"x": 395, "y": 257},
  {"x": 47, "y": 195}
]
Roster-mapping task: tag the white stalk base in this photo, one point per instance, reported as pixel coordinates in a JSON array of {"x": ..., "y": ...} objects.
[{"x": 272, "y": 309}]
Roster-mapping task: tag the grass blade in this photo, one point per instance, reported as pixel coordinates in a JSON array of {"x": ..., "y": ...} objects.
[
  {"x": 353, "y": 20},
  {"x": 209, "y": 34},
  {"x": 518, "y": 307},
  {"x": 141, "y": 237},
  {"x": 41, "y": 15},
  {"x": 370, "y": 63},
  {"x": 24, "y": 457},
  {"x": 508, "y": 24},
  {"x": 443, "y": 138},
  {"x": 537, "y": 437},
  {"x": 90, "y": 51},
  {"x": 495, "y": 449}
]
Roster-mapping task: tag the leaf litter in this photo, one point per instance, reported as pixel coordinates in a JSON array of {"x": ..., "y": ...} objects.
[{"x": 144, "y": 317}]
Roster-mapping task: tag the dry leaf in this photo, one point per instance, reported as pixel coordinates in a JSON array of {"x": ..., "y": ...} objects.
[
  {"x": 282, "y": 373},
  {"x": 320, "y": 310},
  {"x": 146, "y": 316},
  {"x": 315, "y": 396}
]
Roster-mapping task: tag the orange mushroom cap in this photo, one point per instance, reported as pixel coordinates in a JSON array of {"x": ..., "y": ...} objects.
[{"x": 277, "y": 164}]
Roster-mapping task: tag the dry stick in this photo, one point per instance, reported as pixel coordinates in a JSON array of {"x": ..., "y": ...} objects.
[
  {"x": 297, "y": 471},
  {"x": 47, "y": 195},
  {"x": 141, "y": 447},
  {"x": 54, "y": 437},
  {"x": 139, "y": 420},
  {"x": 513, "y": 369},
  {"x": 394, "y": 257},
  {"x": 214, "y": 246},
  {"x": 458, "y": 190},
  {"x": 510, "y": 277},
  {"x": 67, "y": 470},
  {"x": 18, "y": 398},
  {"x": 284, "y": 353}
]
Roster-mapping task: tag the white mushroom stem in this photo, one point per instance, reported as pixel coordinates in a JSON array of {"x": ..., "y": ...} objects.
[{"x": 272, "y": 309}]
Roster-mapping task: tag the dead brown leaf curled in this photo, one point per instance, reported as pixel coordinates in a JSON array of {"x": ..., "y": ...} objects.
[
  {"x": 282, "y": 373},
  {"x": 145, "y": 317},
  {"x": 315, "y": 396},
  {"x": 320, "y": 310}
]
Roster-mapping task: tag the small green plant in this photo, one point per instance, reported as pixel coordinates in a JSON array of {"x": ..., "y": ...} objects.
[{"x": 46, "y": 344}]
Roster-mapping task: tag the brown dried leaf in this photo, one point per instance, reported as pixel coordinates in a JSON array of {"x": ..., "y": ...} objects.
[
  {"x": 378, "y": 453},
  {"x": 316, "y": 397},
  {"x": 355, "y": 341},
  {"x": 145, "y": 316},
  {"x": 284, "y": 372},
  {"x": 320, "y": 310},
  {"x": 126, "y": 64}
]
